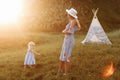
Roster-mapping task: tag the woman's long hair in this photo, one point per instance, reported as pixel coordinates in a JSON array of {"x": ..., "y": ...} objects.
[{"x": 78, "y": 23}]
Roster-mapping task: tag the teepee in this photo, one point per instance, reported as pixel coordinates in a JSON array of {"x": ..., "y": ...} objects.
[{"x": 96, "y": 33}]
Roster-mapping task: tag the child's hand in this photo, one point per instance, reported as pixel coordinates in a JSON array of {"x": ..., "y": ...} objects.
[{"x": 37, "y": 53}]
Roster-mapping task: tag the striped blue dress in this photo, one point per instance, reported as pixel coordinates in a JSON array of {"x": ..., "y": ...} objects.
[
  {"x": 29, "y": 58},
  {"x": 68, "y": 43}
]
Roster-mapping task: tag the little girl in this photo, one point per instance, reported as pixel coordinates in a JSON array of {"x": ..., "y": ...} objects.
[{"x": 29, "y": 58}]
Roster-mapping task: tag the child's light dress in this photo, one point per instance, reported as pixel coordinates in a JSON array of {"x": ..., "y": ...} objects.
[{"x": 29, "y": 58}]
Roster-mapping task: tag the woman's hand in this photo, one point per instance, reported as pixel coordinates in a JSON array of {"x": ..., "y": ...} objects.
[
  {"x": 63, "y": 31},
  {"x": 66, "y": 32}
]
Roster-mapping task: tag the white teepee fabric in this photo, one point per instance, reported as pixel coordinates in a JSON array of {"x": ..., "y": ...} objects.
[{"x": 96, "y": 33}]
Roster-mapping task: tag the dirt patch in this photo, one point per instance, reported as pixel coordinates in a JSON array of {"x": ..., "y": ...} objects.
[
  {"x": 38, "y": 66},
  {"x": 2, "y": 66},
  {"x": 28, "y": 74},
  {"x": 39, "y": 77}
]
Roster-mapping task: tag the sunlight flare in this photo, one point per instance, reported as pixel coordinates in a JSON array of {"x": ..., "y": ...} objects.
[
  {"x": 109, "y": 70},
  {"x": 10, "y": 10}
]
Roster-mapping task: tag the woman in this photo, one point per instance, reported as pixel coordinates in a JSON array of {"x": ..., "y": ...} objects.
[{"x": 68, "y": 44}]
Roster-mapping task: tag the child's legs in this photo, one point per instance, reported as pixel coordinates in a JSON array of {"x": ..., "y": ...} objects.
[{"x": 25, "y": 66}]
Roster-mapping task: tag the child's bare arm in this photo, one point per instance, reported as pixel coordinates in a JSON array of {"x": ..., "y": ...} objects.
[{"x": 36, "y": 53}]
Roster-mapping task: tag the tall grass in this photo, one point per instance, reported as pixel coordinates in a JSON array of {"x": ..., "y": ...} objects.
[{"x": 87, "y": 61}]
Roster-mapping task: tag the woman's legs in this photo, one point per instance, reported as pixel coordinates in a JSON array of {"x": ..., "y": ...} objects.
[
  {"x": 64, "y": 65},
  {"x": 67, "y": 66},
  {"x": 61, "y": 66}
]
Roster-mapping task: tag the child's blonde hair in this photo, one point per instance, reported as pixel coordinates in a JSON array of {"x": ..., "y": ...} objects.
[{"x": 31, "y": 43}]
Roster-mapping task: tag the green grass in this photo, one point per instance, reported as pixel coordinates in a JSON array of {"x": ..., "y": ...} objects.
[{"x": 87, "y": 61}]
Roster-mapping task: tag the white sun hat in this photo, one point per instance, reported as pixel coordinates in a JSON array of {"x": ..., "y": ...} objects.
[{"x": 72, "y": 12}]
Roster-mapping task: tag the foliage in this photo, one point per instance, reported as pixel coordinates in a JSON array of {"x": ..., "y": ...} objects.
[{"x": 50, "y": 15}]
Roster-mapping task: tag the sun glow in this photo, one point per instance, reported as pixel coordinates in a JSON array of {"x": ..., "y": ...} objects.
[
  {"x": 10, "y": 11},
  {"x": 109, "y": 70}
]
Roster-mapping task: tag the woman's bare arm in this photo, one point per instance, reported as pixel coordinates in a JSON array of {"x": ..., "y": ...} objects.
[
  {"x": 73, "y": 24},
  {"x": 65, "y": 32},
  {"x": 79, "y": 25}
]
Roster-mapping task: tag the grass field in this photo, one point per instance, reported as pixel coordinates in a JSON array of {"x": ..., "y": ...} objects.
[{"x": 87, "y": 61}]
